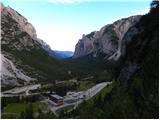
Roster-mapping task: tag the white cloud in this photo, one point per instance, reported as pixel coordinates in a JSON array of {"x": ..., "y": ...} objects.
[
  {"x": 68, "y": 1},
  {"x": 142, "y": 12},
  {"x": 60, "y": 37},
  {"x": 78, "y": 1},
  {"x": 82, "y": 1}
]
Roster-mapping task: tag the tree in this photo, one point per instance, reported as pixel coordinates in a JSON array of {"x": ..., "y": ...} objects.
[
  {"x": 29, "y": 112},
  {"x": 22, "y": 115},
  {"x": 154, "y": 4}
]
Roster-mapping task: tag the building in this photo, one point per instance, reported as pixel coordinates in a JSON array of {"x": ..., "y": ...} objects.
[
  {"x": 74, "y": 94},
  {"x": 57, "y": 99}
]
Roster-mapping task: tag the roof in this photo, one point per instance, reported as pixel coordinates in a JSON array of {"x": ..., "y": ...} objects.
[{"x": 57, "y": 96}]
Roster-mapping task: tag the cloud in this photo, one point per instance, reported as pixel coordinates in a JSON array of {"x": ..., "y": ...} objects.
[
  {"x": 142, "y": 12},
  {"x": 68, "y": 1},
  {"x": 146, "y": 10},
  {"x": 84, "y": 1},
  {"x": 77, "y": 1}
]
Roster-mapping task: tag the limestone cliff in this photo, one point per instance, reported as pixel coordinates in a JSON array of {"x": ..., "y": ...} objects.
[
  {"x": 14, "y": 25},
  {"x": 17, "y": 36},
  {"x": 108, "y": 40}
]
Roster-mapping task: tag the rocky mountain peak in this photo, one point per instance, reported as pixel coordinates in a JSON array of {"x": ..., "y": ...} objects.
[
  {"x": 107, "y": 40},
  {"x": 14, "y": 25},
  {"x": 18, "y": 36},
  {"x": 23, "y": 22}
]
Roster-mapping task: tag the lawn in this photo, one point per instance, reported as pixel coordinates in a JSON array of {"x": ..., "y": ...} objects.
[
  {"x": 65, "y": 109},
  {"x": 14, "y": 110}
]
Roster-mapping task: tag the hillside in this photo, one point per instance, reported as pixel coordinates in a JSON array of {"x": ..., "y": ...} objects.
[
  {"x": 134, "y": 93},
  {"x": 25, "y": 58}
]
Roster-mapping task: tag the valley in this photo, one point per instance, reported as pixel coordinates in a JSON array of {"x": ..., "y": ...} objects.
[{"x": 113, "y": 73}]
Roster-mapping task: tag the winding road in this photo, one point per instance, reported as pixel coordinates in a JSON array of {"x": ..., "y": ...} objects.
[{"x": 17, "y": 90}]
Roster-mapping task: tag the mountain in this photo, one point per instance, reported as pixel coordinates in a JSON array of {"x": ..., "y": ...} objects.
[
  {"x": 106, "y": 40},
  {"x": 25, "y": 58},
  {"x": 125, "y": 52},
  {"x": 62, "y": 54},
  {"x": 134, "y": 92}
]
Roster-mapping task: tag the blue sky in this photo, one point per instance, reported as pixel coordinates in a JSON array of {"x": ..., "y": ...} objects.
[{"x": 61, "y": 23}]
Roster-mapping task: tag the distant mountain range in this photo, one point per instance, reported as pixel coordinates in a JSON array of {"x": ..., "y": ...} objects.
[{"x": 62, "y": 54}]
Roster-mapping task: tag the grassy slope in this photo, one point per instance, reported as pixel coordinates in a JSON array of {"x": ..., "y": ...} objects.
[{"x": 15, "y": 109}]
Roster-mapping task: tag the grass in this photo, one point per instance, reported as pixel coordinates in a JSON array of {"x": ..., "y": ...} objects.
[
  {"x": 84, "y": 85},
  {"x": 14, "y": 110},
  {"x": 65, "y": 109},
  {"x": 102, "y": 93},
  {"x": 106, "y": 90},
  {"x": 78, "y": 86}
]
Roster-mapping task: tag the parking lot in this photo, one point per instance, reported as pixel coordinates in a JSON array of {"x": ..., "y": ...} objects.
[{"x": 75, "y": 98}]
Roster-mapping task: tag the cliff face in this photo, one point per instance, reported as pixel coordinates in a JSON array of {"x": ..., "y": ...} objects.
[
  {"x": 14, "y": 25},
  {"x": 23, "y": 22},
  {"x": 17, "y": 37},
  {"x": 10, "y": 74},
  {"x": 135, "y": 75},
  {"x": 108, "y": 40},
  {"x": 135, "y": 92},
  {"x": 138, "y": 73},
  {"x": 26, "y": 59}
]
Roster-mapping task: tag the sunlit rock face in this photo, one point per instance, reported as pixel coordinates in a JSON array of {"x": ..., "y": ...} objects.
[
  {"x": 16, "y": 29},
  {"x": 10, "y": 74},
  {"x": 23, "y": 22},
  {"x": 108, "y": 40},
  {"x": 17, "y": 36}
]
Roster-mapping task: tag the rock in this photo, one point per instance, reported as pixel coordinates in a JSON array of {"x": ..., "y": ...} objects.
[
  {"x": 14, "y": 25},
  {"x": 108, "y": 40},
  {"x": 17, "y": 35},
  {"x": 23, "y": 22},
  {"x": 44, "y": 45},
  {"x": 10, "y": 74}
]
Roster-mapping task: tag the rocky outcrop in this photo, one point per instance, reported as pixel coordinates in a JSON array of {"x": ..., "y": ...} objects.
[
  {"x": 23, "y": 22},
  {"x": 10, "y": 74},
  {"x": 44, "y": 45},
  {"x": 26, "y": 58},
  {"x": 17, "y": 35},
  {"x": 108, "y": 40},
  {"x": 14, "y": 25},
  {"x": 135, "y": 73}
]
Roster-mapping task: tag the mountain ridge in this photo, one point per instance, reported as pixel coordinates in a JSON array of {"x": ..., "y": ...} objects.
[
  {"x": 26, "y": 54},
  {"x": 62, "y": 54},
  {"x": 107, "y": 40}
]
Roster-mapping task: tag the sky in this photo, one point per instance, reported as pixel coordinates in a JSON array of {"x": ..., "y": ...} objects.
[{"x": 61, "y": 23}]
